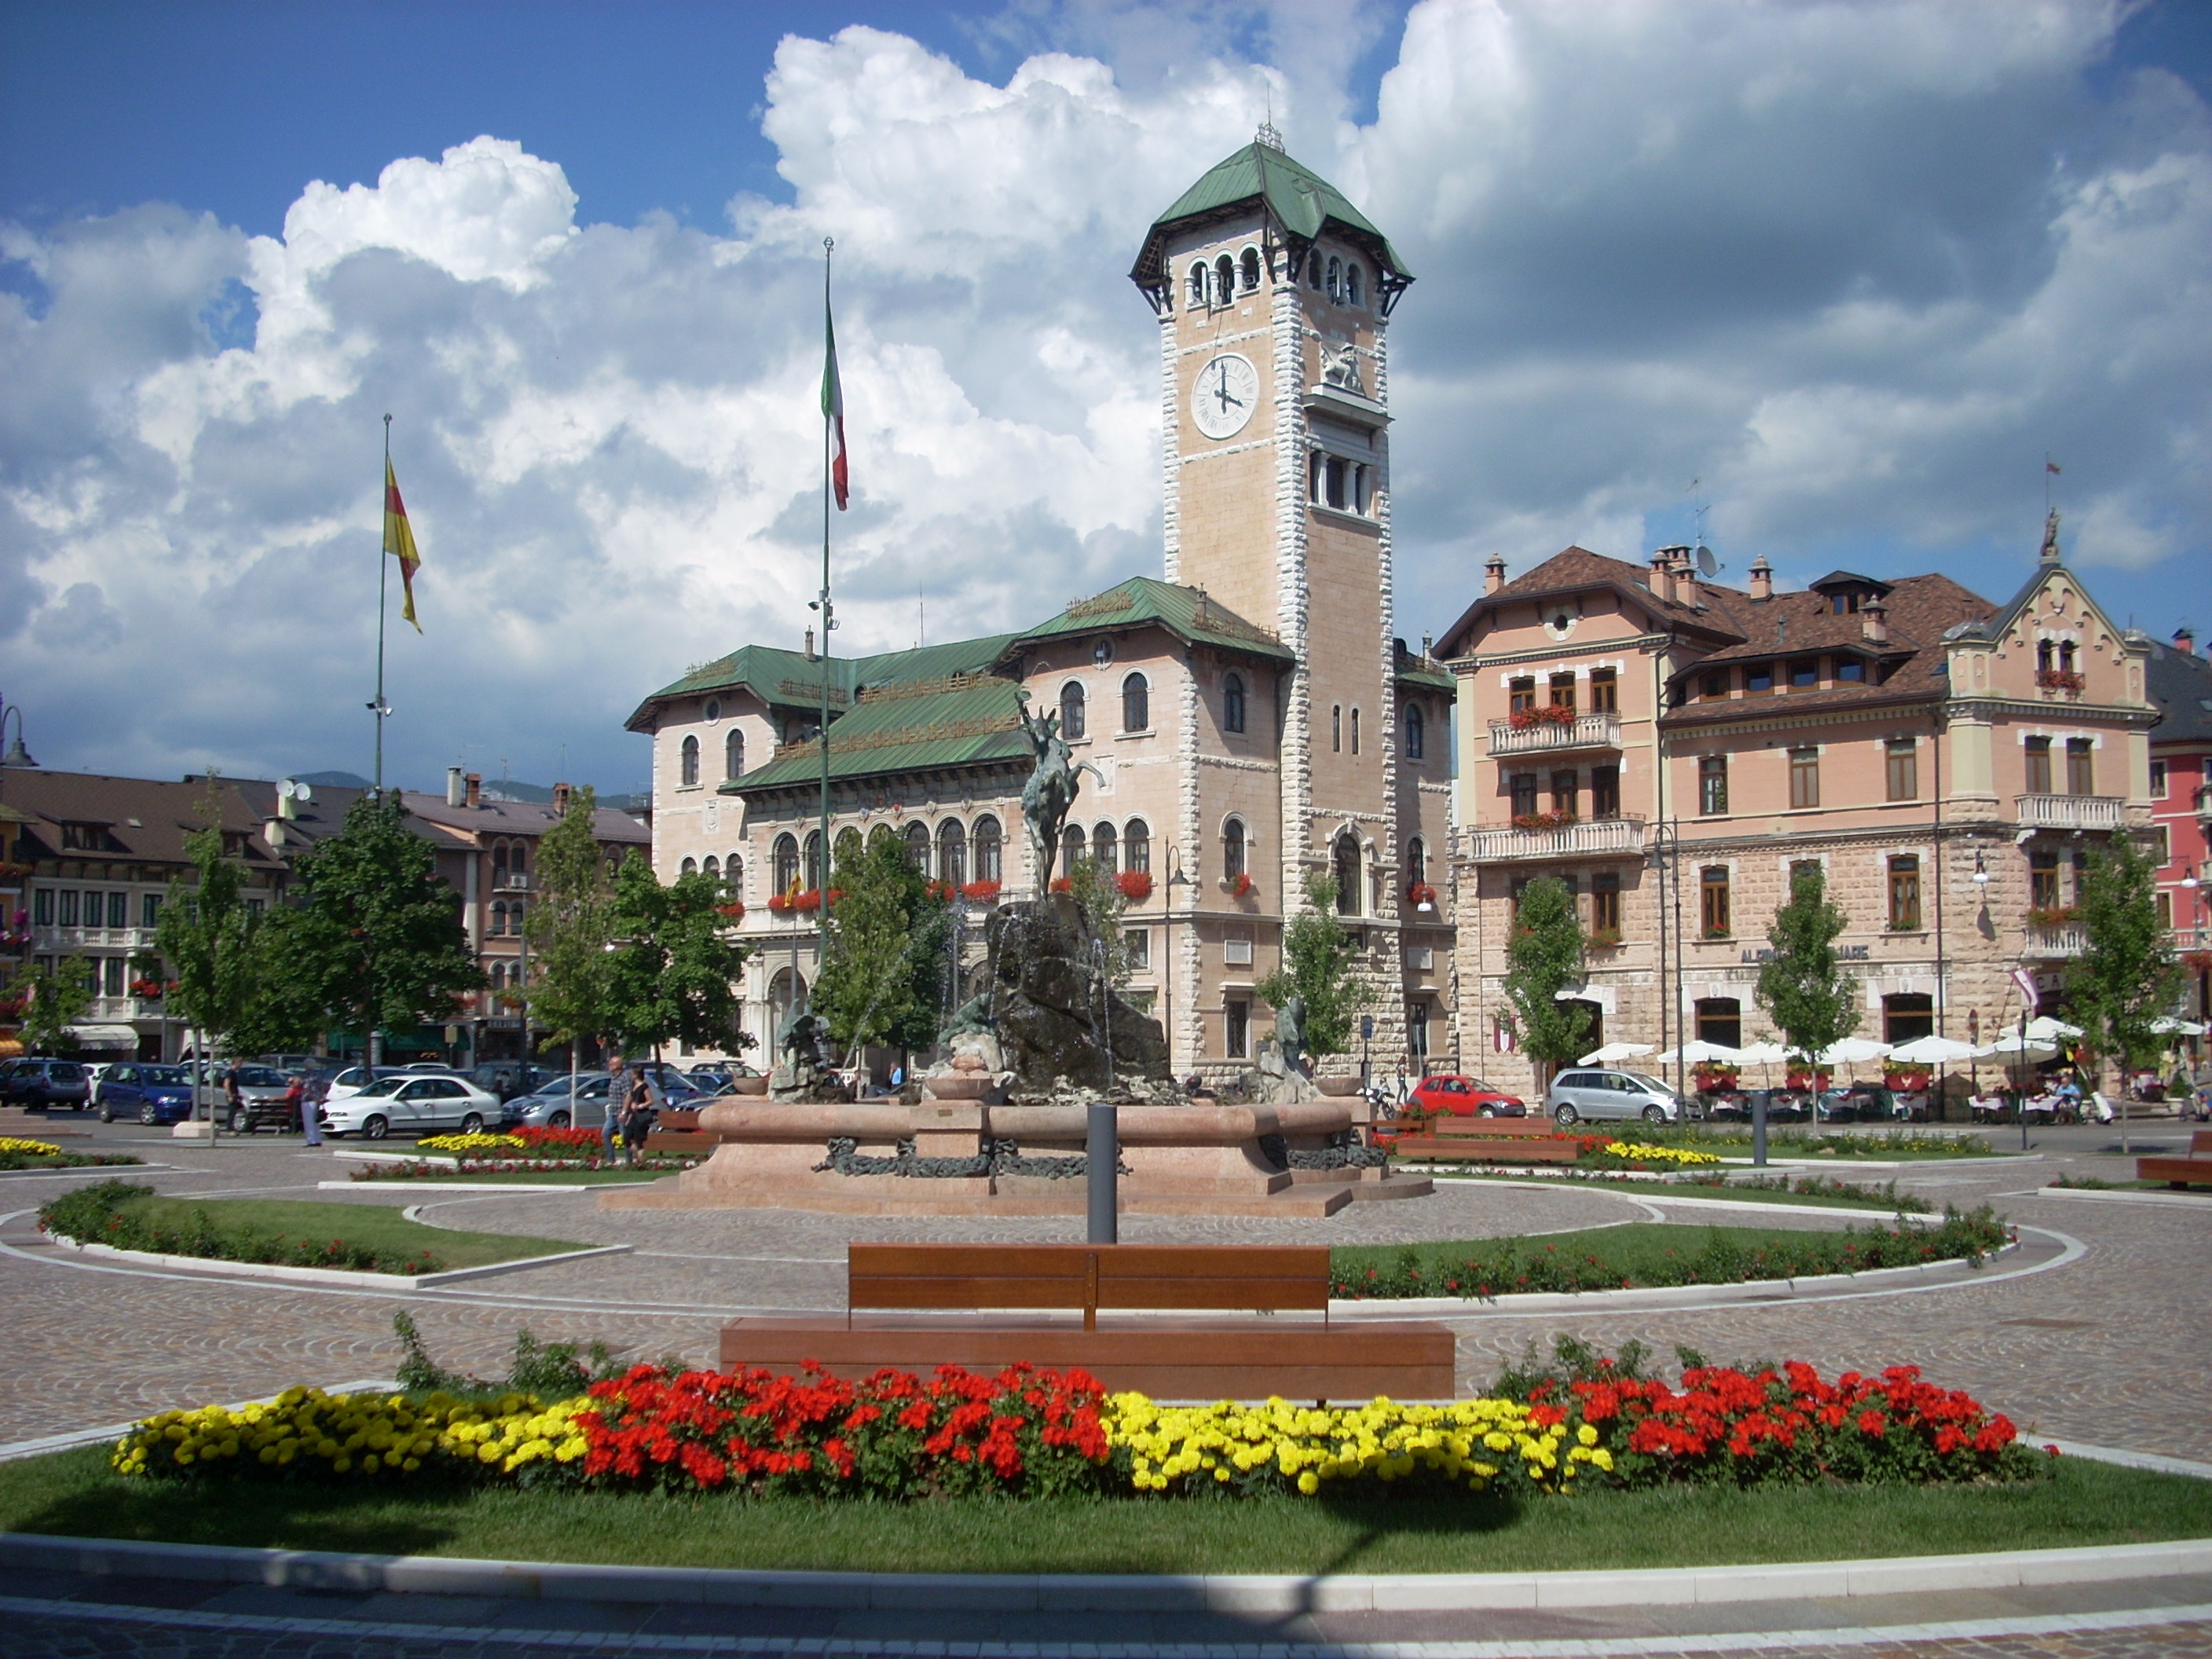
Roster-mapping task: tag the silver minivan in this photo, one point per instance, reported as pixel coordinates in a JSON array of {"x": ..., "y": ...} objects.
[{"x": 1580, "y": 1092}]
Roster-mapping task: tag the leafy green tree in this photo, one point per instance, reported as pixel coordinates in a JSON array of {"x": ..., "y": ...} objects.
[
  {"x": 883, "y": 951},
  {"x": 1803, "y": 985},
  {"x": 1317, "y": 964},
  {"x": 54, "y": 998},
  {"x": 674, "y": 971},
  {"x": 377, "y": 940},
  {"x": 1544, "y": 957},
  {"x": 1098, "y": 895},
  {"x": 571, "y": 991},
  {"x": 2127, "y": 975}
]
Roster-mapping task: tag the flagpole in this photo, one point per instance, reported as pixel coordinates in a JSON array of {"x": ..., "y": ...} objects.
[
  {"x": 383, "y": 577},
  {"x": 821, "y": 913}
]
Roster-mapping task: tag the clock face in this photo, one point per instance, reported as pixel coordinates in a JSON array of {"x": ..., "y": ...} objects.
[{"x": 1223, "y": 396}]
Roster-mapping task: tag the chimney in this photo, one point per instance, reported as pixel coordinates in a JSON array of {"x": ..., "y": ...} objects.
[
  {"x": 1874, "y": 620},
  {"x": 1493, "y": 573},
  {"x": 475, "y": 783},
  {"x": 1662, "y": 578},
  {"x": 287, "y": 805},
  {"x": 2185, "y": 640},
  {"x": 454, "y": 793},
  {"x": 560, "y": 800},
  {"x": 1762, "y": 579},
  {"x": 810, "y": 645},
  {"x": 1685, "y": 580}
]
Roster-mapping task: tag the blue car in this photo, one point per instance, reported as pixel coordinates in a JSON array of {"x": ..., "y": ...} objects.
[{"x": 151, "y": 1094}]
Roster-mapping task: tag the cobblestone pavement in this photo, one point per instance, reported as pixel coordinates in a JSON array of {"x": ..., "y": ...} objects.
[
  {"x": 52, "y": 1616},
  {"x": 2092, "y": 1350}
]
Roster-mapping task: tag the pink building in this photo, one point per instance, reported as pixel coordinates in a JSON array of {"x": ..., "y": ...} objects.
[{"x": 2181, "y": 804}]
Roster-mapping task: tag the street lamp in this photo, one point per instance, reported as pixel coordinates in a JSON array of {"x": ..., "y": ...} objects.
[
  {"x": 1981, "y": 877},
  {"x": 1175, "y": 878}
]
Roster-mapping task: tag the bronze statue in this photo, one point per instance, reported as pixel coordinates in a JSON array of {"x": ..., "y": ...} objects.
[{"x": 1051, "y": 790}]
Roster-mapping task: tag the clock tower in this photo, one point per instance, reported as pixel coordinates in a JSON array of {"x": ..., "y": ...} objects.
[{"x": 1273, "y": 295}]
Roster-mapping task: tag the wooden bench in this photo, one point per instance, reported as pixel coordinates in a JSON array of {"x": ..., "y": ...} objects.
[
  {"x": 2194, "y": 1170},
  {"x": 987, "y": 1306},
  {"x": 1488, "y": 1140}
]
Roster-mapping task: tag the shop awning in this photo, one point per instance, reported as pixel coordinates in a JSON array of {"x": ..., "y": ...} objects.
[{"x": 105, "y": 1036}]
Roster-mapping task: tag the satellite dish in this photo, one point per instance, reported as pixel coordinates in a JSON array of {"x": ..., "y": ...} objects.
[
  {"x": 1707, "y": 565},
  {"x": 302, "y": 794},
  {"x": 287, "y": 790}
]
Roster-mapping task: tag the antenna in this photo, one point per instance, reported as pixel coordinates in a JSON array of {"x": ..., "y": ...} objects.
[{"x": 1268, "y": 135}]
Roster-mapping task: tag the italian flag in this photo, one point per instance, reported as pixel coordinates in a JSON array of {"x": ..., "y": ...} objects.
[
  {"x": 833, "y": 410},
  {"x": 400, "y": 540}
]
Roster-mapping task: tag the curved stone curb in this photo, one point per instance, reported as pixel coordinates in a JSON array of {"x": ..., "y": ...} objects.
[
  {"x": 1247, "y": 1593},
  {"x": 1814, "y": 1287},
  {"x": 2179, "y": 1200},
  {"x": 351, "y": 1278}
]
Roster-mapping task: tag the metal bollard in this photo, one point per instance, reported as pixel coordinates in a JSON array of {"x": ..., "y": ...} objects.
[
  {"x": 1758, "y": 1128},
  {"x": 1102, "y": 1151}
]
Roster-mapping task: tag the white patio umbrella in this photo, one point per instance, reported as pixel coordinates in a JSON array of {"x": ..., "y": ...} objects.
[
  {"x": 2171, "y": 1025},
  {"x": 1934, "y": 1051},
  {"x": 1763, "y": 1054},
  {"x": 1851, "y": 1050},
  {"x": 1701, "y": 1052},
  {"x": 2014, "y": 1049},
  {"x": 2044, "y": 1029},
  {"x": 1615, "y": 1051}
]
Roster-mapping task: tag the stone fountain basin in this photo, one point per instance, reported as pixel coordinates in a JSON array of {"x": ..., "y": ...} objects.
[
  {"x": 769, "y": 1120},
  {"x": 1137, "y": 1126},
  {"x": 957, "y": 1085}
]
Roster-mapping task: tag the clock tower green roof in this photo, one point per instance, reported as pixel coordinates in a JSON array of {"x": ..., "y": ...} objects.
[{"x": 1301, "y": 202}]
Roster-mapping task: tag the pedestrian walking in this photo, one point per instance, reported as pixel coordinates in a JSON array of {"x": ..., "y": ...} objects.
[
  {"x": 637, "y": 1116},
  {"x": 617, "y": 1093},
  {"x": 311, "y": 1109}
]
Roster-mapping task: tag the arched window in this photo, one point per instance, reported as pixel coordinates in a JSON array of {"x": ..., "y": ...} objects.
[
  {"x": 1346, "y": 857},
  {"x": 499, "y": 865},
  {"x": 1104, "y": 850},
  {"x": 1073, "y": 850},
  {"x": 1136, "y": 704},
  {"x": 786, "y": 862},
  {"x": 848, "y": 845},
  {"x": 733, "y": 874},
  {"x": 1416, "y": 731},
  {"x": 1224, "y": 280},
  {"x": 1232, "y": 703},
  {"x": 1351, "y": 294},
  {"x": 1355, "y": 730},
  {"x": 952, "y": 853},
  {"x": 986, "y": 848},
  {"x": 1336, "y": 278},
  {"x": 1417, "y": 863},
  {"x": 1313, "y": 268},
  {"x": 498, "y": 928},
  {"x": 917, "y": 847},
  {"x": 1137, "y": 846},
  {"x": 712, "y": 866},
  {"x": 1197, "y": 286},
  {"x": 733, "y": 754},
  {"x": 517, "y": 859},
  {"x": 1233, "y": 849},
  {"x": 881, "y": 832},
  {"x": 690, "y": 762},
  {"x": 814, "y": 870},
  {"x": 1247, "y": 264},
  {"x": 688, "y": 867},
  {"x": 1070, "y": 711}
]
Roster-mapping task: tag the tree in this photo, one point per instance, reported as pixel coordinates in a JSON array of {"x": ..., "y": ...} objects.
[
  {"x": 883, "y": 951},
  {"x": 1098, "y": 895},
  {"x": 2128, "y": 975},
  {"x": 674, "y": 971},
  {"x": 571, "y": 993},
  {"x": 1317, "y": 965},
  {"x": 54, "y": 998},
  {"x": 378, "y": 940},
  {"x": 1803, "y": 985},
  {"x": 1544, "y": 957}
]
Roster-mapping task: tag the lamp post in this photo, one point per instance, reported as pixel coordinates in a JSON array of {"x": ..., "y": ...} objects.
[{"x": 1175, "y": 879}]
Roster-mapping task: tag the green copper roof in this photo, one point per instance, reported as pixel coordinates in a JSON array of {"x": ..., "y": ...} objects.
[
  {"x": 913, "y": 725},
  {"x": 790, "y": 679},
  {"x": 1142, "y": 602},
  {"x": 1300, "y": 200},
  {"x": 1414, "y": 670}
]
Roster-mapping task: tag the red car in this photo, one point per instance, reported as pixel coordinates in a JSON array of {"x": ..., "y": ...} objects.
[{"x": 1463, "y": 1096}]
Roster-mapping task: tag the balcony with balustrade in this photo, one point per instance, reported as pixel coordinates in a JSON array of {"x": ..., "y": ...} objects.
[
  {"x": 2070, "y": 811},
  {"x": 2056, "y": 941},
  {"x": 1537, "y": 731},
  {"x": 1613, "y": 837}
]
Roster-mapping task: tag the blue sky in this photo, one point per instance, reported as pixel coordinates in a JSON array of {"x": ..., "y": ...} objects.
[{"x": 1854, "y": 267}]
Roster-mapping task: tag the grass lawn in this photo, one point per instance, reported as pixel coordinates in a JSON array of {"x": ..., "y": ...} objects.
[
  {"x": 376, "y": 1226},
  {"x": 1411, "y": 1529},
  {"x": 1658, "y": 1191},
  {"x": 520, "y": 1177}
]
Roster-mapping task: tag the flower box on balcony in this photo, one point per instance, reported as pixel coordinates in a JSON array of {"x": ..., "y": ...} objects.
[
  {"x": 1527, "y": 720},
  {"x": 148, "y": 990},
  {"x": 1716, "y": 932},
  {"x": 940, "y": 890},
  {"x": 981, "y": 892},
  {"x": 1905, "y": 1079},
  {"x": 1135, "y": 885},
  {"x": 2197, "y": 962},
  {"x": 2060, "y": 679},
  {"x": 1556, "y": 820},
  {"x": 1062, "y": 884},
  {"x": 2052, "y": 915},
  {"x": 1238, "y": 885},
  {"x": 1713, "y": 1079},
  {"x": 732, "y": 911},
  {"x": 1803, "y": 1080},
  {"x": 1605, "y": 938},
  {"x": 1421, "y": 895}
]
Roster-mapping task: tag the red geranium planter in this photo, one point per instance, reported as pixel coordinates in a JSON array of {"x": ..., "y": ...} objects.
[
  {"x": 1136, "y": 885},
  {"x": 981, "y": 892}
]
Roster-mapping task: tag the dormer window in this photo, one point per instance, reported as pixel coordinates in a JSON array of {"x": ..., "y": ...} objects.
[
  {"x": 1850, "y": 671},
  {"x": 1844, "y": 605}
]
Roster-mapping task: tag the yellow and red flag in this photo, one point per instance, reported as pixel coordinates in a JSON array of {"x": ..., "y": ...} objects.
[{"x": 400, "y": 540}]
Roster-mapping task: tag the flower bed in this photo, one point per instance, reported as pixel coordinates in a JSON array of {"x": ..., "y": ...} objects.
[
  {"x": 107, "y": 1212},
  {"x": 16, "y": 1153},
  {"x": 418, "y": 1170},
  {"x": 1033, "y": 1432},
  {"x": 1604, "y": 1152}
]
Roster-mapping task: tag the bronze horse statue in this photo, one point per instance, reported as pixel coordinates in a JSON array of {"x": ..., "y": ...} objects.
[{"x": 1051, "y": 789}]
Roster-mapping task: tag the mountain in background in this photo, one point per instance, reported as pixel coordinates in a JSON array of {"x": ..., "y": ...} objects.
[{"x": 503, "y": 789}]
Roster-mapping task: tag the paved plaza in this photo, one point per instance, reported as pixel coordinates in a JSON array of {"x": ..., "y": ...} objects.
[{"x": 2091, "y": 1333}]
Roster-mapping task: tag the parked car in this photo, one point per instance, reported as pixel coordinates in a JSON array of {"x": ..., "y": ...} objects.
[
  {"x": 551, "y": 1108},
  {"x": 150, "y": 1093},
  {"x": 262, "y": 1091},
  {"x": 1580, "y": 1092},
  {"x": 411, "y": 1102},
  {"x": 1465, "y": 1096},
  {"x": 508, "y": 1079},
  {"x": 34, "y": 1082},
  {"x": 355, "y": 1079}
]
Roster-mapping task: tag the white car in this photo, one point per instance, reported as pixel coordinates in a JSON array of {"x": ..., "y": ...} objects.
[{"x": 410, "y": 1103}]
